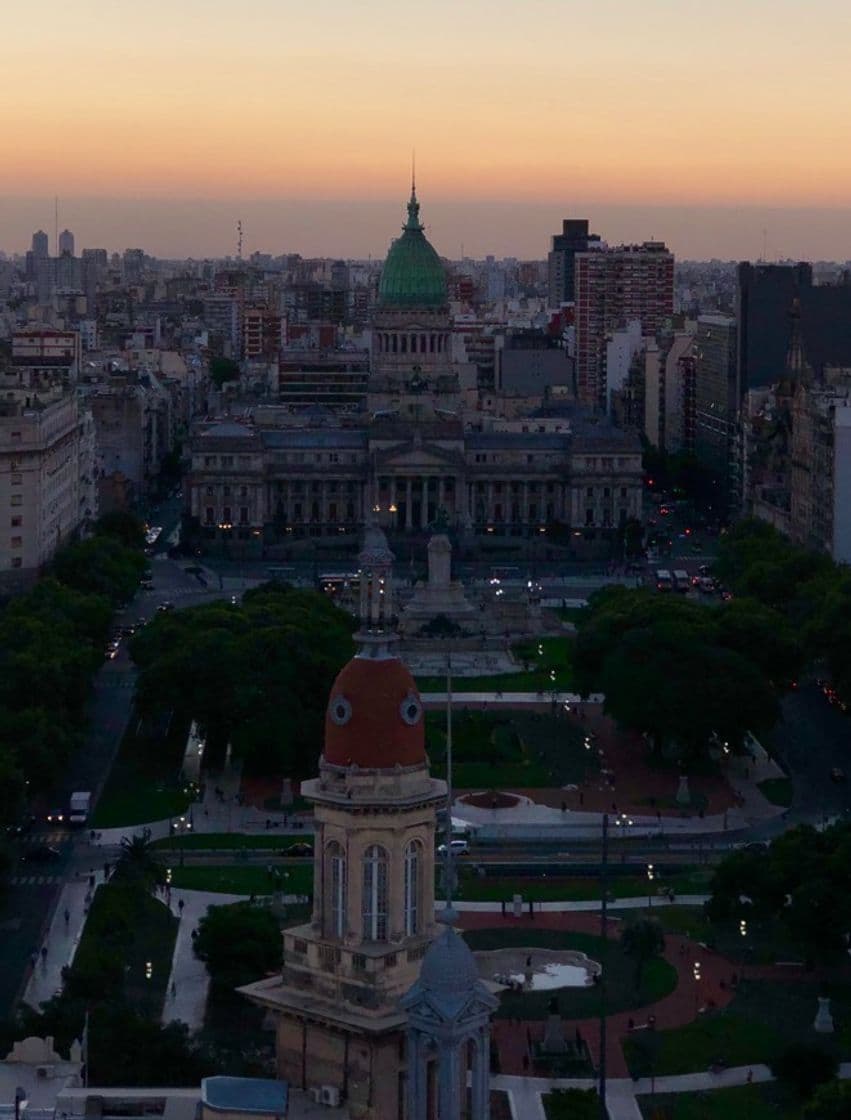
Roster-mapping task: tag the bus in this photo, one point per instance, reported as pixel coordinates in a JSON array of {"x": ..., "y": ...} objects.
[{"x": 336, "y": 584}]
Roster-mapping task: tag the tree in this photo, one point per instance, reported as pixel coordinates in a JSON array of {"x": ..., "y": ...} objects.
[
  {"x": 830, "y": 1101},
  {"x": 222, "y": 370},
  {"x": 803, "y": 1067},
  {"x": 642, "y": 939},
  {"x": 138, "y": 863},
  {"x": 238, "y": 944},
  {"x": 124, "y": 527}
]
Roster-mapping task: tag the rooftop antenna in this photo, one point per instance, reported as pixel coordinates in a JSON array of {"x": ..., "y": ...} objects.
[
  {"x": 56, "y": 224},
  {"x": 239, "y": 239},
  {"x": 449, "y": 915}
]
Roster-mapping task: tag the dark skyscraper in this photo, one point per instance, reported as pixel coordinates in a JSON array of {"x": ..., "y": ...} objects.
[
  {"x": 573, "y": 239},
  {"x": 40, "y": 244}
]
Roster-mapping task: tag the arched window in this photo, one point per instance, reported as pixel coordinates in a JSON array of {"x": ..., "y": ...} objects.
[
  {"x": 374, "y": 898},
  {"x": 412, "y": 889},
  {"x": 335, "y": 879}
]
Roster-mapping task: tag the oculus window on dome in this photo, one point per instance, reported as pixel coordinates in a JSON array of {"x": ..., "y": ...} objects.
[
  {"x": 341, "y": 711},
  {"x": 411, "y": 709}
]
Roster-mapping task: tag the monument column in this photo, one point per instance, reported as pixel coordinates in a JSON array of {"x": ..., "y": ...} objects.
[{"x": 424, "y": 504}]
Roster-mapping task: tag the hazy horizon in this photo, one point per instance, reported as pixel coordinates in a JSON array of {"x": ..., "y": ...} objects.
[{"x": 360, "y": 228}]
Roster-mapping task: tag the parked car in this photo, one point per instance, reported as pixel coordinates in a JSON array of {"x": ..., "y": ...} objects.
[
  {"x": 146, "y": 584},
  {"x": 163, "y": 607},
  {"x": 458, "y": 847}
]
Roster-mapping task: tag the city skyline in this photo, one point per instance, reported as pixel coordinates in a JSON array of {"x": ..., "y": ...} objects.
[{"x": 538, "y": 110}]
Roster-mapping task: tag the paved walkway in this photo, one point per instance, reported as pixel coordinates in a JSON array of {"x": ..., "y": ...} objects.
[
  {"x": 45, "y": 979},
  {"x": 189, "y": 982}
]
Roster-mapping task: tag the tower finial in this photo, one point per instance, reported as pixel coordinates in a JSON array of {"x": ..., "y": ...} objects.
[{"x": 413, "y": 173}]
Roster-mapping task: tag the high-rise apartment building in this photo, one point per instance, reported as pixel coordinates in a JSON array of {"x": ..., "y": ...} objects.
[
  {"x": 47, "y": 478},
  {"x": 716, "y": 399},
  {"x": 40, "y": 244},
  {"x": 613, "y": 287},
  {"x": 573, "y": 239},
  {"x": 66, "y": 243}
]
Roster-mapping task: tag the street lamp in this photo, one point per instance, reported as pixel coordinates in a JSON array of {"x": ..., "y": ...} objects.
[
  {"x": 696, "y": 974},
  {"x": 181, "y": 827},
  {"x": 149, "y": 970},
  {"x": 20, "y": 1101},
  {"x": 651, "y": 875},
  {"x": 743, "y": 928}
]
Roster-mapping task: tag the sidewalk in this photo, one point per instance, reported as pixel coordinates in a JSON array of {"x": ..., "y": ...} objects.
[
  {"x": 45, "y": 980},
  {"x": 189, "y": 975}
]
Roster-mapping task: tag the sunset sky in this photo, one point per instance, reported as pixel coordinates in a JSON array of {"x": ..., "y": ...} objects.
[{"x": 159, "y": 123}]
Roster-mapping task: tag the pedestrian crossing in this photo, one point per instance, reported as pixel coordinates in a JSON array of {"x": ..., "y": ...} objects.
[{"x": 35, "y": 880}]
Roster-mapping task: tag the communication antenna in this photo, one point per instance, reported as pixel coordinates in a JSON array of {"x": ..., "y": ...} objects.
[
  {"x": 56, "y": 224},
  {"x": 239, "y": 240}
]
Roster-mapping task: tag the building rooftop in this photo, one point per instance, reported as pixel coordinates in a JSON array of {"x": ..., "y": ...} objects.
[{"x": 260, "y": 1096}]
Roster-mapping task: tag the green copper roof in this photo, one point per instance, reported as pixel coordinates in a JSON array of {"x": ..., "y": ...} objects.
[{"x": 412, "y": 275}]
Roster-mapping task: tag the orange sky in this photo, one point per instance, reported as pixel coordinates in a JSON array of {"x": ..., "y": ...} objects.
[{"x": 599, "y": 102}]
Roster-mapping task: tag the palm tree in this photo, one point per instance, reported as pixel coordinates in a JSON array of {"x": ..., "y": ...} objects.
[
  {"x": 138, "y": 862},
  {"x": 642, "y": 939}
]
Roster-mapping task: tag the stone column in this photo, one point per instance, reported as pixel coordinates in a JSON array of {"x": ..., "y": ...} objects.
[
  {"x": 489, "y": 509},
  {"x": 417, "y": 1090},
  {"x": 409, "y": 520},
  {"x": 424, "y": 504},
  {"x": 480, "y": 1080},
  {"x": 448, "y": 1081}
]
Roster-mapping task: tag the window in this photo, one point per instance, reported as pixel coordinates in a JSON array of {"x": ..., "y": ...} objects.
[
  {"x": 209, "y": 460},
  {"x": 374, "y": 898},
  {"x": 17, "y": 542},
  {"x": 17, "y": 479},
  {"x": 243, "y": 515},
  {"x": 412, "y": 888},
  {"x": 335, "y": 872},
  {"x": 17, "y": 562},
  {"x": 17, "y": 522},
  {"x": 227, "y": 460},
  {"x": 209, "y": 516},
  {"x": 17, "y": 500}
]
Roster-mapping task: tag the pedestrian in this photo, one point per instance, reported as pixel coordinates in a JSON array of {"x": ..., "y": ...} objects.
[
  {"x": 106, "y": 871},
  {"x": 173, "y": 989},
  {"x": 91, "y": 882},
  {"x": 750, "y": 1076},
  {"x": 44, "y": 955},
  {"x": 33, "y": 959},
  {"x": 564, "y": 806},
  {"x": 581, "y": 798},
  {"x": 67, "y": 916},
  {"x": 180, "y": 905}
]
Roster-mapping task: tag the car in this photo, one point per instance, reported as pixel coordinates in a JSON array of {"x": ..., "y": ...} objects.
[
  {"x": 837, "y": 775},
  {"x": 164, "y": 607},
  {"x": 146, "y": 584},
  {"x": 458, "y": 847},
  {"x": 56, "y": 816},
  {"x": 111, "y": 652},
  {"x": 128, "y": 631},
  {"x": 40, "y": 853},
  {"x": 300, "y": 849},
  {"x": 22, "y": 827}
]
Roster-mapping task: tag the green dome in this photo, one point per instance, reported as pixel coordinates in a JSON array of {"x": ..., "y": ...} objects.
[{"x": 412, "y": 275}]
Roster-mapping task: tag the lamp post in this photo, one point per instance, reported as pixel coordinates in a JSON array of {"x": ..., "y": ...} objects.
[
  {"x": 651, "y": 875},
  {"x": 20, "y": 1101},
  {"x": 696, "y": 974},
  {"x": 180, "y": 827}
]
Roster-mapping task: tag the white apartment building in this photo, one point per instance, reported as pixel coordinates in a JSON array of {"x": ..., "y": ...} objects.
[{"x": 47, "y": 479}]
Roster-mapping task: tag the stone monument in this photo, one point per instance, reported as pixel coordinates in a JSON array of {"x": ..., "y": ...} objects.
[
  {"x": 440, "y": 596},
  {"x": 824, "y": 1020}
]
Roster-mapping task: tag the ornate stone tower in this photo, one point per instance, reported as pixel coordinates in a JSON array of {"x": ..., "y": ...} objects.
[
  {"x": 340, "y": 1023},
  {"x": 449, "y": 1010},
  {"x": 411, "y": 368}
]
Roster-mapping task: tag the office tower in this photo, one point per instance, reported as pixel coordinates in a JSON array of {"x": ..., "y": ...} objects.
[
  {"x": 716, "y": 401},
  {"x": 573, "y": 239},
  {"x": 613, "y": 287},
  {"x": 40, "y": 244},
  {"x": 66, "y": 242}
]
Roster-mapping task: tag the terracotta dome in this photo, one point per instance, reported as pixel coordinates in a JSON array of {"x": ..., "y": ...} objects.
[{"x": 375, "y": 716}]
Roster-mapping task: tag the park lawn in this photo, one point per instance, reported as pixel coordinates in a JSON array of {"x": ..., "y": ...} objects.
[
  {"x": 765, "y": 943},
  {"x": 763, "y": 1101},
  {"x": 579, "y": 888},
  {"x": 242, "y": 879},
  {"x": 130, "y": 923},
  {"x": 510, "y": 749},
  {"x": 779, "y": 791},
  {"x": 764, "y": 1017},
  {"x": 658, "y": 979},
  {"x": 144, "y": 782},
  {"x": 571, "y": 1104},
  {"x": 224, "y": 841}
]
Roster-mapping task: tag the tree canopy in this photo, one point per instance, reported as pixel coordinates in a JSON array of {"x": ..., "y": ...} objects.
[
  {"x": 256, "y": 675},
  {"x": 687, "y": 676},
  {"x": 238, "y": 944}
]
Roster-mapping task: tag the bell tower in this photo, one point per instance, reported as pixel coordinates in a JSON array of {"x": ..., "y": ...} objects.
[{"x": 337, "y": 1002}]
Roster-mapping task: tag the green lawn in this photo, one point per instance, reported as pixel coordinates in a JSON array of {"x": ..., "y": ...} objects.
[
  {"x": 144, "y": 784},
  {"x": 763, "y": 1018},
  {"x": 211, "y": 841},
  {"x": 765, "y": 942},
  {"x": 575, "y": 888},
  {"x": 557, "y": 655},
  {"x": 510, "y": 749},
  {"x": 658, "y": 980},
  {"x": 130, "y": 928},
  {"x": 779, "y": 791},
  {"x": 571, "y": 1104},
  {"x": 247, "y": 880},
  {"x": 768, "y": 1101}
]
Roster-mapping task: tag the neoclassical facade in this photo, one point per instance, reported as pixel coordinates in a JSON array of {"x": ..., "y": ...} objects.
[{"x": 415, "y": 451}]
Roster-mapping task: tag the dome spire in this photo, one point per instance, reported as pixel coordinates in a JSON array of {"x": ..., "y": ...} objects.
[{"x": 413, "y": 222}]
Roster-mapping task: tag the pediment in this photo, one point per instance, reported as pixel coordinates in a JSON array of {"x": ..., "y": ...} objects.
[{"x": 412, "y": 457}]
